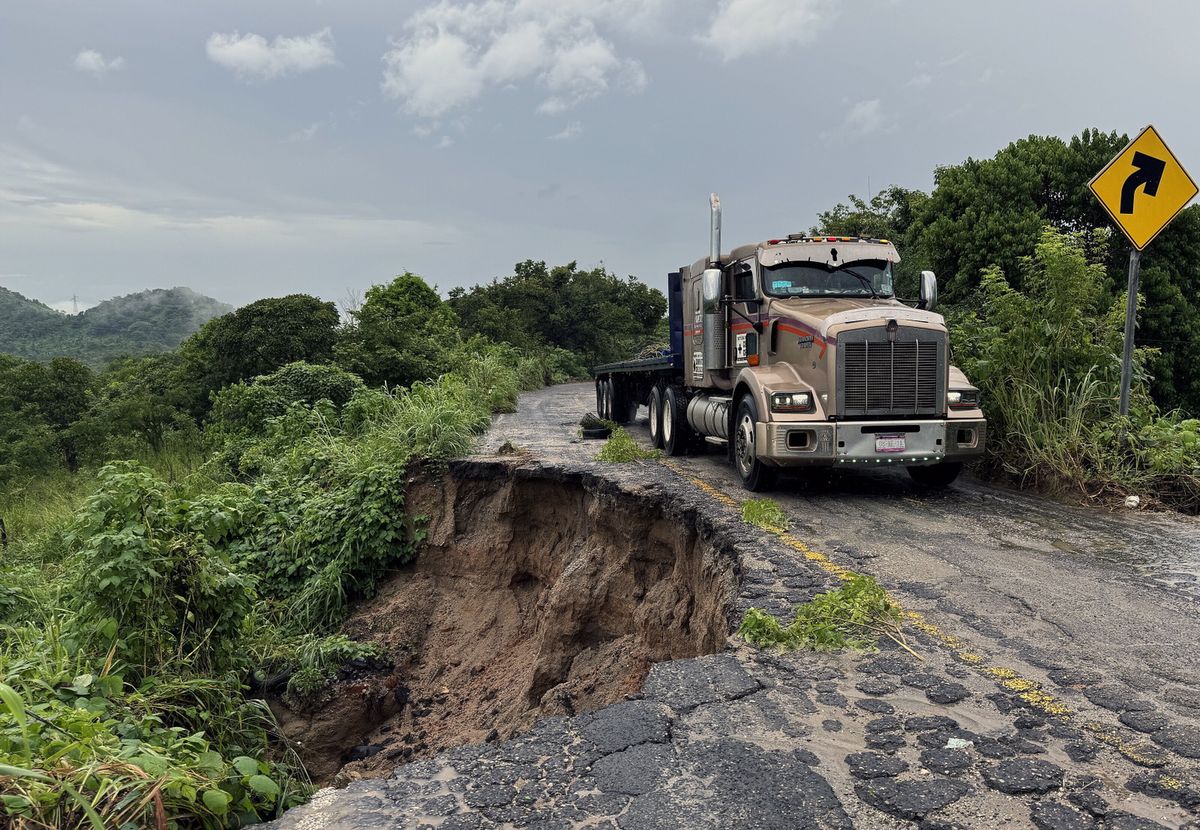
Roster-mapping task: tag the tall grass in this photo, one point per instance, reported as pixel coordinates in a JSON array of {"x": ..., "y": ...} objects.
[
  {"x": 1046, "y": 361},
  {"x": 1046, "y": 435}
]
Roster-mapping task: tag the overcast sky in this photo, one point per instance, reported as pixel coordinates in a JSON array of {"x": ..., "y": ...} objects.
[{"x": 250, "y": 149}]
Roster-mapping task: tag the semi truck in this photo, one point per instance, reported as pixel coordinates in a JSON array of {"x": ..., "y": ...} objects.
[{"x": 796, "y": 352}]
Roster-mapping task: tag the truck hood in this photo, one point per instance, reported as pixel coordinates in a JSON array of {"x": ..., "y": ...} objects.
[{"x": 822, "y": 315}]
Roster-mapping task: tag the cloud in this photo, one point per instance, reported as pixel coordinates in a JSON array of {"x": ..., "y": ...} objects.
[
  {"x": 572, "y": 130},
  {"x": 864, "y": 117},
  {"x": 251, "y": 56},
  {"x": 453, "y": 52},
  {"x": 920, "y": 80},
  {"x": 754, "y": 27},
  {"x": 305, "y": 133},
  {"x": 94, "y": 63},
  {"x": 42, "y": 196}
]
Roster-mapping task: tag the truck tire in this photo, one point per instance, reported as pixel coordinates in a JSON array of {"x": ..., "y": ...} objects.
[
  {"x": 937, "y": 476},
  {"x": 655, "y": 405},
  {"x": 676, "y": 433},
  {"x": 756, "y": 476},
  {"x": 605, "y": 407}
]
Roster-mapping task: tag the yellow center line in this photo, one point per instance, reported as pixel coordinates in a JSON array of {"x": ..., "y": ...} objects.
[{"x": 1031, "y": 692}]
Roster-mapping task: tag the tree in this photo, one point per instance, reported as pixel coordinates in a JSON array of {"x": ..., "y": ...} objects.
[
  {"x": 992, "y": 211},
  {"x": 596, "y": 315},
  {"x": 403, "y": 333},
  {"x": 256, "y": 340},
  {"x": 27, "y": 443},
  {"x": 1170, "y": 317},
  {"x": 139, "y": 401},
  {"x": 40, "y": 405}
]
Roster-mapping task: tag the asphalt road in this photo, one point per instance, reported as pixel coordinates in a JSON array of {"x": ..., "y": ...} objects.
[{"x": 1054, "y": 681}]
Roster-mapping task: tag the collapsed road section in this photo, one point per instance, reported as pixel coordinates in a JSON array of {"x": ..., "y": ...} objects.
[{"x": 537, "y": 592}]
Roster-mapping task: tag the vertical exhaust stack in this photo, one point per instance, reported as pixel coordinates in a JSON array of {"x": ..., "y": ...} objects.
[
  {"x": 714, "y": 240},
  {"x": 715, "y": 341}
]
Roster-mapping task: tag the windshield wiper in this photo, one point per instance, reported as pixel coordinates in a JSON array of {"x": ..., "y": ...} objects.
[{"x": 866, "y": 281}]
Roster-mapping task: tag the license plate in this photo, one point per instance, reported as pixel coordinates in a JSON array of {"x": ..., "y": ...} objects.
[{"x": 889, "y": 443}]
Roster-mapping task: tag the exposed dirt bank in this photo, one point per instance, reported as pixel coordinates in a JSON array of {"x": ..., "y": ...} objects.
[{"x": 537, "y": 593}]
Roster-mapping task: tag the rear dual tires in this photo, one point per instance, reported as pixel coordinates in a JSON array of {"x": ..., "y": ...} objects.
[
  {"x": 937, "y": 476},
  {"x": 613, "y": 403},
  {"x": 669, "y": 428},
  {"x": 756, "y": 476}
]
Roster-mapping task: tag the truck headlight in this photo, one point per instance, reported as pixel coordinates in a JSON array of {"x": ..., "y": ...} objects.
[
  {"x": 963, "y": 398},
  {"x": 791, "y": 402}
]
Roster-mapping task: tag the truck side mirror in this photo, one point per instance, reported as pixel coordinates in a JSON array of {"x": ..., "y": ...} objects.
[
  {"x": 929, "y": 291},
  {"x": 710, "y": 289}
]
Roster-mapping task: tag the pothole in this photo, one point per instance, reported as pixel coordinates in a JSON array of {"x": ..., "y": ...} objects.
[{"x": 538, "y": 593}]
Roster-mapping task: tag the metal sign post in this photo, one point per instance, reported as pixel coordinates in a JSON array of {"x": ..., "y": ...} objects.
[{"x": 1135, "y": 262}]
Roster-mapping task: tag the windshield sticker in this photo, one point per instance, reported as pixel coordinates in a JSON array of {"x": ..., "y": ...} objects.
[{"x": 781, "y": 285}]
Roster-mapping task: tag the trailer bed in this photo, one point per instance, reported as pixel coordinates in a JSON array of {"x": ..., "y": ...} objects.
[{"x": 646, "y": 364}]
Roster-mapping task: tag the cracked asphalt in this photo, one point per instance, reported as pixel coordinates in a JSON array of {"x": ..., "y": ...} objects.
[{"x": 1055, "y": 682}]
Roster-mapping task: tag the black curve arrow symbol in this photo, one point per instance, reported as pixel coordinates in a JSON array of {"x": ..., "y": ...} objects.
[{"x": 1147, "y": 174}]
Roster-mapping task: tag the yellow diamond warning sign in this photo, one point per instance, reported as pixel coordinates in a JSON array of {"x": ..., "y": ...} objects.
[{"x": 1144, "y": 188}]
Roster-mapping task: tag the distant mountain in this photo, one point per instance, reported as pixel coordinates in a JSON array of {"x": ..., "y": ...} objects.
[{"x": 142, "y": 323}]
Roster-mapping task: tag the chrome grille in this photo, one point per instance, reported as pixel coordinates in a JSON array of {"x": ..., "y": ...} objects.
[{"x": 886, "y": 377}]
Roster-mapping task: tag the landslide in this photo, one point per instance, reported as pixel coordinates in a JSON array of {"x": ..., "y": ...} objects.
[{"x": 538, "y": 592}]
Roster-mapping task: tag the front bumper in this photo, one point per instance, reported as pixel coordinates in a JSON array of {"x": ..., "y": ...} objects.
[{"x": 824, "y": 443}]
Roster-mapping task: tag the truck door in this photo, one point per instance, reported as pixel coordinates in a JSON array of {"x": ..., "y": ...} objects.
[
  {"x": 695, "y": 325},
  {"x": 744, "y": 340}
]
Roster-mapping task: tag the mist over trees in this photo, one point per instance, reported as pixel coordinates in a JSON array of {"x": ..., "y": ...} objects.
[{"x": 136, "y": 324}]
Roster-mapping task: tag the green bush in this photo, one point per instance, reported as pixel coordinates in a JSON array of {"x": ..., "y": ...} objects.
[
  {"x": 620, "y": 448},
  {"x": 854, "y": 616},
  {"x": 765, "y": 513},
  {"x": 246, "y": 413},
  {"x": 151, "y": 579},
  {"x": 81, "y": 746}
]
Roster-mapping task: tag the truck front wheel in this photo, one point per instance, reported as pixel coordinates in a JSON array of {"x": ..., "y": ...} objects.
[
  {"x": 937, "y": 476},
  {"x": 756, "y": 476}
]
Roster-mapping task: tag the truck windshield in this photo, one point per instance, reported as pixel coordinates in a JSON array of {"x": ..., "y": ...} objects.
[{"x": 863, "y": 278}]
